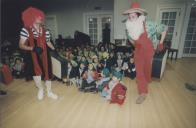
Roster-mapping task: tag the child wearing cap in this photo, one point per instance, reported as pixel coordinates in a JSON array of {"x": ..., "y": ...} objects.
[{"x": 115, "y": 91}]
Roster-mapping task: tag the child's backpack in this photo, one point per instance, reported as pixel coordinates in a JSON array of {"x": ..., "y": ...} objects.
[{"x": 118, "y": 94}]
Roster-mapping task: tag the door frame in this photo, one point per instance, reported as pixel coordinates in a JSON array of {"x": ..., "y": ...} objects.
[
  {"x": 97, "y": 13},
  {"x": 182, "y": 7},
  {"x": 175, "y": 37},
  {"x": 184, "y": 31}
]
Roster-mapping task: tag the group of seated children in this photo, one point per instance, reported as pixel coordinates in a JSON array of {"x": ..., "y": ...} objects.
[{"x": 94, "y": 70}]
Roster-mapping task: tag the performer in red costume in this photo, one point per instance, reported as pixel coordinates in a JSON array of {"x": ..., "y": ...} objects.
[
  {"x": 142, "y": 34},
  {"x": 35, "y": 40}
]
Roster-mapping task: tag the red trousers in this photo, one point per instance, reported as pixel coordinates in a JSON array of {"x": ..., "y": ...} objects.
[{"x": 143, "y": 56}]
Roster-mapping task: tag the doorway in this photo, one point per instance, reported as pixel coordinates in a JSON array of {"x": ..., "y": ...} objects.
[
  {"x": 170, "y": 17},
  {"x": 189, "y": 49},
  {"x": 94, "y": 25}
]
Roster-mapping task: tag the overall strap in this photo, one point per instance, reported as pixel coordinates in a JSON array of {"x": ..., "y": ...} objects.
[{"x": 36, "y": 66}]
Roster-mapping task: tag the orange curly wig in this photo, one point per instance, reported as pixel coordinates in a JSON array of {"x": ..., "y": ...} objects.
[{"x": 30, "y": 14}]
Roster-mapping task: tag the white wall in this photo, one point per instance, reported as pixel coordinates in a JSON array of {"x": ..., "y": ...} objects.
[
  {"x": 68, "y": 21},
  {"x": 151, "y": 7},
  {"x": 70, "y": 16},
  {"x": 119, "y": 27}
]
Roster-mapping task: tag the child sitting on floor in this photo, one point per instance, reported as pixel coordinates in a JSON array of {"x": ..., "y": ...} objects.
[
  {"x": 89, "y": 78},
  {"x": 129, "y": 69},
  {"x": 71, "y": 73},
  {"x": 81, "y": 70},
  {"x": 115, "y": 91},
  {"x": 104, "y": 80},
  {"x": 18, "y": 68}
]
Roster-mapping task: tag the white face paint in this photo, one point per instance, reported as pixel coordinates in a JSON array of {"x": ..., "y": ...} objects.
[
  {"x": 133, "y": 16},
  {"x": 135, "y": 26},
  {"x": 39, "y": 20}
]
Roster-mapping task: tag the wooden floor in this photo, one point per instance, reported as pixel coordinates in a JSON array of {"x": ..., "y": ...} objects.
[{"x": 169, "y": 104}]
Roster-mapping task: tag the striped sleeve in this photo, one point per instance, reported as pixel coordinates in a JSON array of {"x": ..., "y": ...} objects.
[
  {"x": 48, "y": 35},
  {"x": 24, "y": 33}
]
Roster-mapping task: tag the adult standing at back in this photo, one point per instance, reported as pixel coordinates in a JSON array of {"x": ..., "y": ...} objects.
[{"x": 106, "y": 36}]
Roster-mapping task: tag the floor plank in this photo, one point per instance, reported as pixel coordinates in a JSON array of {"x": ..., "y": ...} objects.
[{"x": 169, "y": 104}]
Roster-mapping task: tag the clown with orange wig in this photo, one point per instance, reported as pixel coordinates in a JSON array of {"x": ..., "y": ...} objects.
[{"x": 35, "y": 41}]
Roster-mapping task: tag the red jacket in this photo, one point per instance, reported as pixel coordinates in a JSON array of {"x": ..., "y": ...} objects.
[
  {"x": 118, "y": 94},
  {"x": 7, "y": 75}
]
